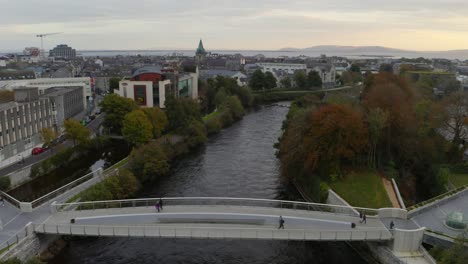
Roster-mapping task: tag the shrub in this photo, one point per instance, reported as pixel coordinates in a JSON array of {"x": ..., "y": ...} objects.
[
  {"x": 213, "y": 125},
  {"x": 122, "y": 185},
  {"x": 5, "y": 183},
  {"x": 149, "y": 162}
]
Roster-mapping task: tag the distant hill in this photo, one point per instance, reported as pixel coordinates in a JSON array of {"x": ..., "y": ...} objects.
[{"x": 333, "y": 50}]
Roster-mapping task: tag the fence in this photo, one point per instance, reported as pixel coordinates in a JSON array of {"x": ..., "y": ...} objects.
[
  {"x": 14, "y": 240},
  {"x": 97, "y": 174},
  {"x": 213, "y": 232},
  {"x": 213, "y": 201},
  {"x": 65, "y": 188}
]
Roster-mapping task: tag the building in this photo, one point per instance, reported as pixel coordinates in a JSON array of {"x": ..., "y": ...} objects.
[
  {"x": 63, "y": 51},
  {"x": 237, "y": 75},
  {"x": 288, "y": 67},
  {"x": 46, "y": 83},
  {"x": 200, "y": 54},
  {"x": 21, "y": 122},
  {"x": 17, "y": 75},
  {"x": 65, "y": 102},
  {"x": 327, "y": 73},
  {"x": 150, "y": 85}
]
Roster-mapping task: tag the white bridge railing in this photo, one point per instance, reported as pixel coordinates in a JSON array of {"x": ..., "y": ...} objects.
[
  {"x": 213, "y": 201},
  {"x": 213, "y": 232}
]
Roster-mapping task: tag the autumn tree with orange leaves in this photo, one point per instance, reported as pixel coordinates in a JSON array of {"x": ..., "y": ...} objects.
[{"x": 337, "y": 133}]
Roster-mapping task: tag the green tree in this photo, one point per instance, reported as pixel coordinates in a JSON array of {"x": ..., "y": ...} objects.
[
  {"x": 116, "y": 108},
  {"x": 48, "y": 135},
  {"x": 180, "y": 112},
  {"x": 300, "y": 79},
  {"x": 149, "y": 162},
  {"x": 377, "y": 120},
  {"x": 286, "y": 83},
  {"x": 75, "y": 131},
  {"x": 314, "y": 80},
  {"x": 158, "y": 120},
  {"x": 6, "y": 96},
  {"x": 137, "y": 129},
  {"x": 270, "y": 80},
  {"x": 257, "y": 81},
  {"x": 113, "y": 84},
  {"x": 220, "y": 97},
  {"x": 233, "y": 105},
  {"x": 355, "y": 68}
]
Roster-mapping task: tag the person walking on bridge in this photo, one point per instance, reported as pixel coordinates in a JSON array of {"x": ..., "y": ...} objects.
[
  {"x": 160, "y": 204},
  {"x": 364, "y": 219},
  {"x": 2, "y": 200},
  {"x": 281, "y": 223}
]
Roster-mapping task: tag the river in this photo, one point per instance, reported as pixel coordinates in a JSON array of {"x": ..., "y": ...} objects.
[{"x": 238, "y": 162}]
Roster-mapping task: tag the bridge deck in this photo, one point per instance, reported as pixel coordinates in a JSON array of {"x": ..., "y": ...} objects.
[{"x": 214, "y": 222}]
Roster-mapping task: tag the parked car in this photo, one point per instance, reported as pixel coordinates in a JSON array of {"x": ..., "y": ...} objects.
[
  {"x": 37, "y": 150},
  {"x": 45, "y": 146}
]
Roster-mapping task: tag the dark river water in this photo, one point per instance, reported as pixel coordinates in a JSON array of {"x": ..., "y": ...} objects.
[
  {"x": 106, "y": 156},
  {"x": 238, "y": 162}
]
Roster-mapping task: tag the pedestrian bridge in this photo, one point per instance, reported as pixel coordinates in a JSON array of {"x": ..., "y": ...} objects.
[{"x": 222, "y": 218}]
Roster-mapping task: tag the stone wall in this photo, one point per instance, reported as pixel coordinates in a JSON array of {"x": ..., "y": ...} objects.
[{"x": 20, "y": 176}]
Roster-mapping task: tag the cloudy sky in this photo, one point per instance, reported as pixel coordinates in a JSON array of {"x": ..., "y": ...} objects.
[{"x": 235, "y": 24}]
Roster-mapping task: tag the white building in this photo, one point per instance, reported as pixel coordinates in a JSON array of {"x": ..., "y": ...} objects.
[
  {"x": 46, "y": 83},
  {"x": 288, "y": 67},
  {"x": 148, "y": 95}
]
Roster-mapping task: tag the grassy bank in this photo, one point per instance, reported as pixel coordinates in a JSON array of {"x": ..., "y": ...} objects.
[
  {"x": 458, "y": 179},
  {"x": 362, "y": 189}
]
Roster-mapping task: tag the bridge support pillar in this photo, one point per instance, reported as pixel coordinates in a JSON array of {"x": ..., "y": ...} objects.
[
  {"x": 407, "y": 240},
  {"x": 26, "y": 207},
  {"x": 53, "y": 207}
]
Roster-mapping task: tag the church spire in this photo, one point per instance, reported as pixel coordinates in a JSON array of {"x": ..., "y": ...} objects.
[{"x": 200, "y": 49}]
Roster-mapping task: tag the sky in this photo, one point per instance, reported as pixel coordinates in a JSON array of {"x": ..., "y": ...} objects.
[{"x": 423, "y": 25}]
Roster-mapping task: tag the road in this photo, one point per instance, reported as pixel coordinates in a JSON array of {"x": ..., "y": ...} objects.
[{"x": 93, "y": 126}]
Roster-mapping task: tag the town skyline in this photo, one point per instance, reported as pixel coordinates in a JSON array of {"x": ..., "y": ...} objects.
[{"x": 265, "y": 25}]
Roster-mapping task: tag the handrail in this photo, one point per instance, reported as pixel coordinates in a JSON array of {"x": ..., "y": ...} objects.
[
  {"x": 212, "y": 232},
  {"x": 57, "y": 191},
  {"x": 11, "y": 199},
  {"x": 438, "y": 198},
  {"x": 14, "y": 239},
  {"x": 199, "y": 200}
]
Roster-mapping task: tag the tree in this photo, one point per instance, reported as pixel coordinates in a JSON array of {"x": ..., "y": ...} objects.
[
  {"x": 6, "y": 96},
  {"x": 149, "y": 162},
  {"x": 137, "y": 129},
  {"x": 158, "y": 120},
  {"x": 286, "y": 83},
  {"x": 48, "y": 135},
  {"x": 386, "y": 68},
  {"x": 113, "y": 84},
  {"x": 300, "y": 79},
  {"x": 257, "y": 81},
  {"x": 270, "y": 81},
  {"x": 75, "y": 131},
  {"x": 355, "y": 68},
  {"x": 116, "y": 108},
  {"x": 314, "y": 80},
  {"x": 455, "y": 122},
  {"x": 377, "y": 120},
  {"x": 337, "y": 133},
  {"x": 180, "y": 112}
]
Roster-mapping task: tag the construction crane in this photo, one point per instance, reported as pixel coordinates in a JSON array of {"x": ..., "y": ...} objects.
[{"x": 45, "y": 35}]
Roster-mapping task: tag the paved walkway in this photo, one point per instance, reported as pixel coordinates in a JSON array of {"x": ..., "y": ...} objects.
[
  {"x": 434, "y": 219},
  {"x": 390, "y": 192},
  {"x": 215, "y": 221}
]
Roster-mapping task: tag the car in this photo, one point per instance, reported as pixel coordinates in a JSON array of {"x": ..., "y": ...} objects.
[
  {"x": 45, "y": 146},
  {"x": 92, "y": 117},
  {"x": 37, "y": 151}
]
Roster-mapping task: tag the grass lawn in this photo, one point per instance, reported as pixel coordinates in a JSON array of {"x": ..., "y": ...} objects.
[
  {"x": 211, "y": 115},
  {"x": 362, "y": 189},
  {"x": 458, "y": 180}
]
